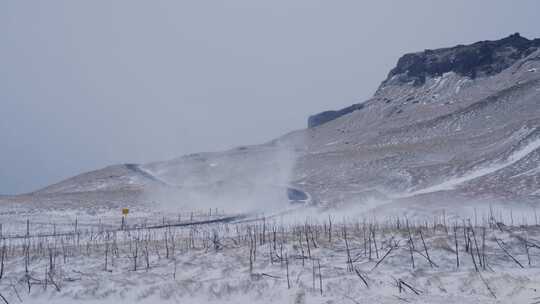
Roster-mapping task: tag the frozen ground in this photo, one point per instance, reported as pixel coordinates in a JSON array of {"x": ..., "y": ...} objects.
[{"x": 362, "y": 260}]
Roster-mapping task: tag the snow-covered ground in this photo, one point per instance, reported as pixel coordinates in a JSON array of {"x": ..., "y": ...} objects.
[{"x": 294, "y": 259}]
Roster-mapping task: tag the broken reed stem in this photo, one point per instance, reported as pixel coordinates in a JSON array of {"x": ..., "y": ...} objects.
[
  {"x": 484, "y": 261},
  {"x": 361, "y": 277},
  {"x": 457, "y": 249},
  {"x": 320, "y": 276},
  {"x": 487, "y": 285},
  {"x": 329, "y": 230},
  {"x": 313, "y": 273},
  {"x": 526, "y": 250},
  {"x": 508, "y": 253},
  {"x": 471, "y": 251},
  {"x": 349, "y": 260},
  {"x": 287, "y": 265},
  {"x": 386, "y": 254},
  {"x": 307, "y": 240},
  {"x": 401, "y": 282},
  {"x": 375, "y": 243},
  {"x": 369, "y": 241},
  {"x": 425, "y": 249},
  {"x": 476, "y": 245},
  {"x": 411, "y": 244}
]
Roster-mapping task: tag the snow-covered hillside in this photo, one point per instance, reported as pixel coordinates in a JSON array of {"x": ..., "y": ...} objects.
[
  {"x": 444, "y": 126},
  {"x": 449, "y": 142}
]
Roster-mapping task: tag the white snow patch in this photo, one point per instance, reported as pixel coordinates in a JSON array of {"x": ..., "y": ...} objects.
[
  {"x": 452, "y": 183},
  {"x": 531, "y": 172},
  {"x": 332, "y": 143}
]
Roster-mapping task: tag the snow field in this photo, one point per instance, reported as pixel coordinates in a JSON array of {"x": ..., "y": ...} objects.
[{"x": 265, "y": 261}]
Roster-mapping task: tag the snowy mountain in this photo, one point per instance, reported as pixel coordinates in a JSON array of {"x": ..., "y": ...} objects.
[{"x": 448, "y": 126}]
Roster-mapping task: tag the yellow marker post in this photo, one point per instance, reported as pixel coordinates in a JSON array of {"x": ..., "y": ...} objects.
[{"x": 125, "y": 212}]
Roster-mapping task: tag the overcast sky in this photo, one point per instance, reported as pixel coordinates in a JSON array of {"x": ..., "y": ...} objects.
[{"x": 86, "y": 84}]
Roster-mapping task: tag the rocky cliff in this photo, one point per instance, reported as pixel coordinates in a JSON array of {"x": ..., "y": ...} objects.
[{"x": 480, "y": 59}]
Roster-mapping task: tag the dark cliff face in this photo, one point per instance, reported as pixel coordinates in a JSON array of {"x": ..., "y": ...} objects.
[
  {"x": 326, "y": 116},
  {"x": 482, "y": 58}
]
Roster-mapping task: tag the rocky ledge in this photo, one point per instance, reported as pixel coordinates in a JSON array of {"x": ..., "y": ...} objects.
[
  {"x": 480, "y": 59},
  {"x": 484, "y": 58}
]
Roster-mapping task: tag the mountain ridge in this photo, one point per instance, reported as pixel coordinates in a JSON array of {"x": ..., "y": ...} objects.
[
  {"x": 399, "y": 147},
  {"x": 479, "y": 59}
]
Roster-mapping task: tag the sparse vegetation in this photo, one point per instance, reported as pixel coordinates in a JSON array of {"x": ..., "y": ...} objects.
[{"x": 370, "y": 254}]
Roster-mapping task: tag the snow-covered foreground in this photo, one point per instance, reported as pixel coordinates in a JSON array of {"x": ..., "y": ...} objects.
[{"x": 271, "y": 261}]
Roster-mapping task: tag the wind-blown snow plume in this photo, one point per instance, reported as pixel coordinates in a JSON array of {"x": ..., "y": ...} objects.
[{"x": 246, "y": 179}]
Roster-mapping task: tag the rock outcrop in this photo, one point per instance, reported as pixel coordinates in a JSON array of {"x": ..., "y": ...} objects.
[
  {"x": 326, "y": 116},
  {"x": 484, "y": 58},
  {"x": 480, "y": 59}
]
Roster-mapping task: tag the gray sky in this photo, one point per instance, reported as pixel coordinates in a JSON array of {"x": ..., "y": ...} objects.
[{"x": 85, "y": 84}]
